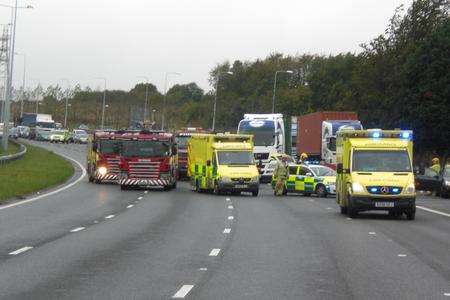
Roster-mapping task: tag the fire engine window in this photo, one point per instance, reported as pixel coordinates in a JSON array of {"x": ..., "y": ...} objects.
[
  {"x": 145, "y": 148},
  {"x": 109, "y": 146}
]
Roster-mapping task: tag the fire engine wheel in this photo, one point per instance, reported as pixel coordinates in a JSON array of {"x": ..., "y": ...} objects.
[
  {"x": 255, "y": 193},
  {"x": 321, "y": 191},
  {"x": 124, "y": 187}
]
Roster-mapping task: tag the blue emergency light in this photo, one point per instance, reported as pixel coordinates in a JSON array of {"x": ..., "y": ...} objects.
[
  {"x": 395, "y": 190},
  {"x": 376, "y": 134},
  {"x": 373, "y": 190},
  {"x": 406, "y": 135}
]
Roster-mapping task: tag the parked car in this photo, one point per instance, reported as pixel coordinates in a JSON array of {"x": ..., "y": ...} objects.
[
  {"x": 42, "y": 135},
  {"x": 59, "y": 136},
  {"x": 309, "y": 179},
  {"x": 79, "y": 136},
  {"x": 24, "y": 131},
  {"x": 427, "y": 179}
]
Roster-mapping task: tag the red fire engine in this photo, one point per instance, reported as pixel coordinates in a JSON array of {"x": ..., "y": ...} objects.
[
  {"x": 148, "y": 159},
  {"x": 103, "y": 157}
]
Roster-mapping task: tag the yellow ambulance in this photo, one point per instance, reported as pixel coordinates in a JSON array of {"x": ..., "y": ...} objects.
[
  {"x": 222, "y": 163},
  {"x": 374, "y": 172}
]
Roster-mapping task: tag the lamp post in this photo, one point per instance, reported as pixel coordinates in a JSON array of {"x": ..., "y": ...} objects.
[
  {"x": 165, "y": 97},
  {"x": 104, "y": 100},
  {"x": 153, "y": 116},
  {"x": 37, "y": 92},
  {"x": 215, "y": 98},
  {"x": 23, "y": 81},
  {"x": 8, "y": 94},
  {"x": 275, "y": 86},
  {"x": 146, "y": 96},
  {"x": 66, "y": 101}
]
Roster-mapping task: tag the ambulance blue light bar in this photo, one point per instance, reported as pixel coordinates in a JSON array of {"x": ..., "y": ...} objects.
[{"x": 376, "y": 134}]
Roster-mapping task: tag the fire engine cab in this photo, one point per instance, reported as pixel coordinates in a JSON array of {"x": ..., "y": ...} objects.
[
  {"x": 103, "y": 157},
  {"x": 148, "y": 159}
]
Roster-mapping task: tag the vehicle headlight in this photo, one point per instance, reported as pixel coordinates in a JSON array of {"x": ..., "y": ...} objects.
[
  {"x": 225, "y": 179},
  {"x": 102, "y": 170},
  {"x": 357, "y": 187},
  {"x": 410, "y": 189}
]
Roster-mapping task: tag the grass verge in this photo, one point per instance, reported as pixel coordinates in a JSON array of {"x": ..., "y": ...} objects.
[
  {"x": 12, "y": 148},
  {"x": 37, "y": 170}
]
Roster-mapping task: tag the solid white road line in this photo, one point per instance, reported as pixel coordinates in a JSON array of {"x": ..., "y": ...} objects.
[
  {"x": 110, "y": 217},
  {"x": 130, "y": 206},
  {"x": 21, "y": 250},
  {"x": 52, "y": 192},
  {"x": 433, "y": 211},
  {"x": 230, "y": 218},
  {"x": 77, "y": 229},
  {"x": 230, "y": 207},
  {"x": 227, "y": 230},
  {"x": 183, "y": 291},
  {"x": 214, "y": 252}
]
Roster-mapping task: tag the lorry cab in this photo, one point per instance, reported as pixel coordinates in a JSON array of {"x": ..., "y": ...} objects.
[
  {"x": 148, "y": 159},
  {"x": 374, "y": 172},
  {"x": 223, "y": 163},
  {"x": 268, "y": 135},
  {"x": 103, "y": 157},
  {"x": 181, "y": 139}
]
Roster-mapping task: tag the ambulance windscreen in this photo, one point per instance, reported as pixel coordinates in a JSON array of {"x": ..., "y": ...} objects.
[{"x": 381, "y": 161}]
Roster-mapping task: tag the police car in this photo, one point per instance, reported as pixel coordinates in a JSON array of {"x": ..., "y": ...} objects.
[{"x": 309, "y": 179}]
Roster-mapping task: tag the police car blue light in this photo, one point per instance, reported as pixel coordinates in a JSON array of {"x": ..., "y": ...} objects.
[
  {"x": 373, "y": 190},
  {"x": 395, "y": 190}
]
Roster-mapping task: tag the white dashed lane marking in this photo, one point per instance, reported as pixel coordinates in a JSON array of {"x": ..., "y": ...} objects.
[
  {"x": 130, "y": 206},
  {"x": 230, "y": 218},
  {"x": 433, "y": 211},
  {"x": 139, "y": 198},
  {"x": 214, "y": 252},
  {"x": 227, "y": 230},
  {"x": 401, "y": 255},
  {"x": 77, "y": 229},
  {"x": 21, "y": 250},
  {"x": 183, "y": 291},
  {"x": 372, "y": 233},
  {"x": 110, "y": 217},
  {"x": 228, "y": 199},
  {"x": 447, "y": 294},
  {"x": 230, "y": 206}
]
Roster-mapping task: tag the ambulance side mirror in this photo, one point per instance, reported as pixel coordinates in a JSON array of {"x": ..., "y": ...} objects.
[
  {"x": 339, "y": 168},
  {"x": 208, "y": 163}
]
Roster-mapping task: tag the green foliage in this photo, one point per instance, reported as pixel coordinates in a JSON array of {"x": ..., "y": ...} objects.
[{"x": 37, "y": 170}]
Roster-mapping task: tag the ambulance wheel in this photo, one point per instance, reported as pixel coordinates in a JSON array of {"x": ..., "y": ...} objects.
[
  {"x": 216, "y": 190},
  {"x": 255, "y": 193},
  {"x": 284, "y": 191},
  {"x": 351, "y": 210},
  {"x": 321, "y": 191},
  {"x": 411, "y": 215},
  {"x": 343, "y": 210}
]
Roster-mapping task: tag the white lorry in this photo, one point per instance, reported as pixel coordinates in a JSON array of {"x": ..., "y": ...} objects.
[{"x": 268, "y": 135}]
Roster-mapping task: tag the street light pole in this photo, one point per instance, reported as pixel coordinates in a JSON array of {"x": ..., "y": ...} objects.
[
  {"x": 165, "y": 98},
  {"x": 8, "y": 93},
  {"x": 275, "y": 87},
  {"x": 66, "y": 100},
  {"x": 215, "y": 98},
  {"x": 146, "y": 96},
  {"x": 104, "y": 101},
  {"x": 23, "y": 81}
]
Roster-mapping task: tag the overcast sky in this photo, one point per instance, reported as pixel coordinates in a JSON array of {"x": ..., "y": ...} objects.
[{"x": 120, "y": 40}]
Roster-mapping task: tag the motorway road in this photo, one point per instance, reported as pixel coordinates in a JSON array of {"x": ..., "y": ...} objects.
[{"x": 97, "y": 242}]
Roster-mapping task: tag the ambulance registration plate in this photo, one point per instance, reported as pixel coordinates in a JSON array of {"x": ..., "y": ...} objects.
[
  {"x": 241, "y": 186},
  {"x": 384, "y": 204}
]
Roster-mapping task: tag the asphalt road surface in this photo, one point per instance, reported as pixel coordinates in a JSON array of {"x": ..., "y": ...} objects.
[{"x": 98, "y": 242}]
